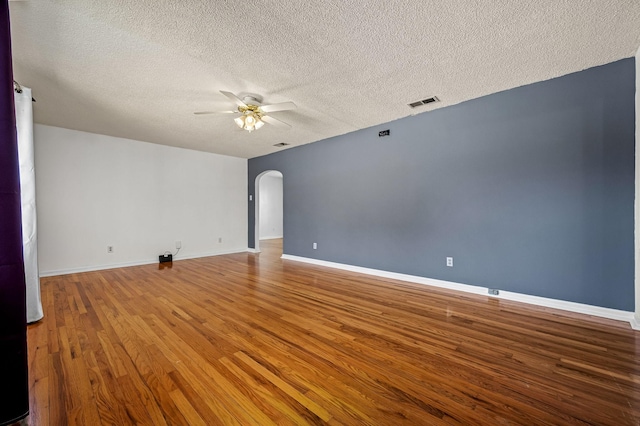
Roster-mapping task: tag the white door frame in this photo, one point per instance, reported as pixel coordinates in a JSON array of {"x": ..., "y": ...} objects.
[{"x": 256, "y": 230}]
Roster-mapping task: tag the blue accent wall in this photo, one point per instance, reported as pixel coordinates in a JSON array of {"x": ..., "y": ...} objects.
[{"x": 531, "y": 190}]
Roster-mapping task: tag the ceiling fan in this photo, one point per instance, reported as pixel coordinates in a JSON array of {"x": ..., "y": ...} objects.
[{"x": 253, "y": 115}]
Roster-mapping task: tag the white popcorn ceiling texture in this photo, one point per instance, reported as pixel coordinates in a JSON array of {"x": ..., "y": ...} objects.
[{"x": 139, "y": 69}]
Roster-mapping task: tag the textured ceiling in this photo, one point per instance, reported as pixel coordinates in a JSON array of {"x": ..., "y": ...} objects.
[{"x": 139, "y": 69}]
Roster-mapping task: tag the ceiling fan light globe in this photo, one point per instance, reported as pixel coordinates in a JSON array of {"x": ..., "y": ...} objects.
[
  {"x": 259, "y": 124},
  {"x": 240, "y": 121}
]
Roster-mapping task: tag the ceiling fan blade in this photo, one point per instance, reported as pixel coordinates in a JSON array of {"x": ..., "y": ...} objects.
[
  {"x": 236, "y": 100},
  {"x": 275, "y": 122},
  {"x": 215, "y": 112},
  {"x": 284, "y": 106}
]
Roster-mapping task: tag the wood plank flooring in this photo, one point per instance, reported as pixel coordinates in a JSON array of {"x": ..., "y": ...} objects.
[{"x": 250, "y": 339}]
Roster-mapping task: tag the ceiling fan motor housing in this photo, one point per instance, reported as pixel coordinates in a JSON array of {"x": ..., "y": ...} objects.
[{"x": 252, "y": 99}]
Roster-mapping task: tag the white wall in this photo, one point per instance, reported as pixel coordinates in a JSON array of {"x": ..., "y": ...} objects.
[
  {"x": 95, "y": 190},
  {"x": 271, "y": 206}
]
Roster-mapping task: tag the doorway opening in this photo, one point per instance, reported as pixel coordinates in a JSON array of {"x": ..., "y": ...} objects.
[{"x": 269, "y": 214}]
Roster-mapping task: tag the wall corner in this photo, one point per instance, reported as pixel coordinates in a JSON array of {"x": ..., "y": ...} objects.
[{"x": 636, "y": 320}]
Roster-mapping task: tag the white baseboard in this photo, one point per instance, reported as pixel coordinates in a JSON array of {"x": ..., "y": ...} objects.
[
  {"x": 92, "y": 268},
  {"x": 252, "y": 250},
  {"x": 278, "y": 237},
  {"x": 581, "y": 308},
  {"x": 635, "y": 323}
]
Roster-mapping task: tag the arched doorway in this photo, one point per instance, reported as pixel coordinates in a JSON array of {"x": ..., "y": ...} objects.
[{"x": 269, "y": 214}]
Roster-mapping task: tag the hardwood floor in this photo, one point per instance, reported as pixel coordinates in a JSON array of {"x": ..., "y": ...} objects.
[{"x": 250, "y": 339}]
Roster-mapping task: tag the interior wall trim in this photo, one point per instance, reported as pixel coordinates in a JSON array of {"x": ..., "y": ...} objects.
[
  {"x": 133, "y": 263},
  {"x": 580, "y": 308},
  {"x": 636, "y": 223}
]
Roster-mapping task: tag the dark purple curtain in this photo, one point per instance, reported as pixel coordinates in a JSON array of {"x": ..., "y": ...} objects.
[{"x": 14, "y": 402}]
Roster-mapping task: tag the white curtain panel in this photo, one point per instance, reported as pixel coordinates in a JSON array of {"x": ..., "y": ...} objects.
[{"x": 24, "y": 123}]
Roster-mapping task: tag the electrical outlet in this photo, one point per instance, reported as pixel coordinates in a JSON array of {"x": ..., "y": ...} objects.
[
  {"x": 109, "y": 249},
  {"x": 450, "y": 262},
  {"x": 494, "y": 291},
  {"x": 315, "y": 246},
  {"x": 178, "y": 244}
]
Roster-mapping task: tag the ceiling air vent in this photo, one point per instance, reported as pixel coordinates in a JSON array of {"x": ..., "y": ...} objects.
[
  {"x": 281, "y": 144},
  {"x": 424, "y": 102}
]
